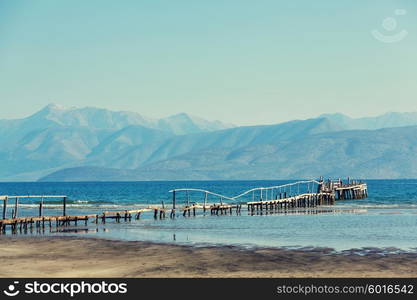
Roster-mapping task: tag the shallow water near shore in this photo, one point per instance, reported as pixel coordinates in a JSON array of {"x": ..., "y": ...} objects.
[{"x": 387, "y": 219}]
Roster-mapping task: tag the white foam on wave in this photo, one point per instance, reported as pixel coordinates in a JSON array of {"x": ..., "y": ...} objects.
[
  {"x": 82, "y": 205},
  {"x": 380, "y": 206}
]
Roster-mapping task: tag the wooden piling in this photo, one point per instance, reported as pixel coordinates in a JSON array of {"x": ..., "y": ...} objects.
[
  {"x": 41, "y": 208},
  {"x": 64, "y": 212},
  {"x": 205, "y": 201},
  {"x": 16, "y": 208},
  {"x": 5, "y": 207}
]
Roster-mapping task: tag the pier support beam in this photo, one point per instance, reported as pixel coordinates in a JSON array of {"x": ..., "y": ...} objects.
[{"x": 5, "y": 207}]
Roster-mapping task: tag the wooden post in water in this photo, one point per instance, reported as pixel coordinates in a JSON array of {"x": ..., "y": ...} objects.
[
  {"x": 173, "y": 204},
  {"x": 4, "y": 207},
  {"x": 16, "y": 208},
  {"x": 173, "y": 199},
  {"x": 205, "y": 201},
  {"x": 64, "y": 213},
  {"x": 162, "y": 212},
  {"x": 41, "y": 208}
]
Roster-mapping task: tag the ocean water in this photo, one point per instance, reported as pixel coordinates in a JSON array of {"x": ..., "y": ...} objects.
[{"x": 386, "y": 219}]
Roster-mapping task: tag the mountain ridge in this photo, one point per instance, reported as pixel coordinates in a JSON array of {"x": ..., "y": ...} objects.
[
  {"x": 184, "y": 146},
  {"x": 360, "y": 154}
]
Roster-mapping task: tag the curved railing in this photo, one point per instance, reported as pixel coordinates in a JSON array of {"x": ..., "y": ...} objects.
[{"x": 257, "y": 189}]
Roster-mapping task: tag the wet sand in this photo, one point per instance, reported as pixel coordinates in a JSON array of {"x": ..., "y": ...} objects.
[{"x": 88, "y": 257}]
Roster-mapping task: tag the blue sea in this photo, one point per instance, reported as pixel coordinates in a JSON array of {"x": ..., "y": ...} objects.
[{"x": 386, "y": 219}]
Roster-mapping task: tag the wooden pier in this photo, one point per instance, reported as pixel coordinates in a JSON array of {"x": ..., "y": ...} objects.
[
  {"x": 17, "y": 223},
  {"x": 276, "y": 198},
  {"x": 297, "y": 197},
  {"x": 23, "y": 224}
]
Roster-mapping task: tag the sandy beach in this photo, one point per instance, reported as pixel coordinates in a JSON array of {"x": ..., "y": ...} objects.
[{"x": 88, "y": 257}]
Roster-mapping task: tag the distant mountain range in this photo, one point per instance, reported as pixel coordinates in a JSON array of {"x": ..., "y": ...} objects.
[
  {"x": 91, "y": 144},
  {"x": 389, "y": 120}
]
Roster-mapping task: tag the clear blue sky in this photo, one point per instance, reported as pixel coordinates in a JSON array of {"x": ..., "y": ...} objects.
[{"x": 245, "y": 62}]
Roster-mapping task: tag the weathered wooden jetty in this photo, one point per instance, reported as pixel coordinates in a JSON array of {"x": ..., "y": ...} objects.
[
  {"x": 41, "y": 221},
  {"x": 296, "y": 197},
  {"x": 300, "y": 194}
]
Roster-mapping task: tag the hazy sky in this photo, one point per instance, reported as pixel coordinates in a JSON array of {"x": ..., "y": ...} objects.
[{"x": 246, "y": 62}]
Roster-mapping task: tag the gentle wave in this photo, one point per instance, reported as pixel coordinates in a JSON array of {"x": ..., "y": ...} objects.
[
  {"x": 84, "y": 205},
  {"x": 380, "y": 206}
]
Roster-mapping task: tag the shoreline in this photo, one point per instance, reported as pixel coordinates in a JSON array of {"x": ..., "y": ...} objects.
[{"x": 96, "y": 257}]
